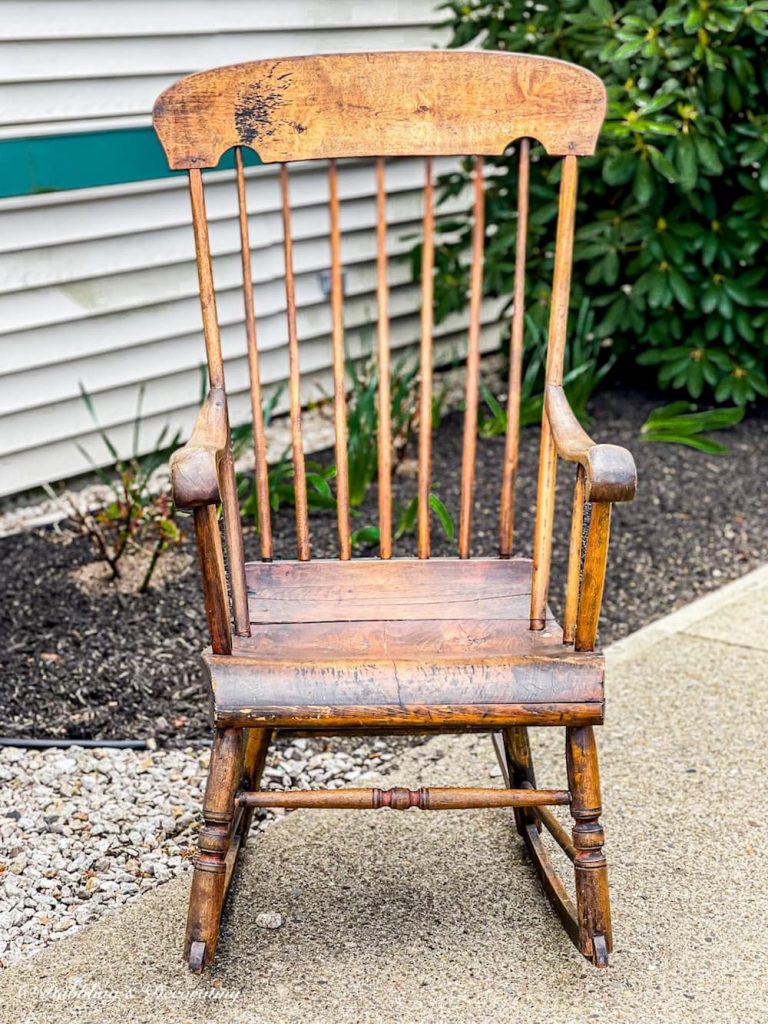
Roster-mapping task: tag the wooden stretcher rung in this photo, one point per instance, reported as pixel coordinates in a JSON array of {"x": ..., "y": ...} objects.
[{"x": 401, "y": 799}]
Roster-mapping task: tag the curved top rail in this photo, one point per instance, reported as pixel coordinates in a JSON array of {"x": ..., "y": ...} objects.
[{"x": 409, "y": 103}]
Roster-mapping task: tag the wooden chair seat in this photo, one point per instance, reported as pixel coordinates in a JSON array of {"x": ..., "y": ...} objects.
[{"x": 415, "y": 643}]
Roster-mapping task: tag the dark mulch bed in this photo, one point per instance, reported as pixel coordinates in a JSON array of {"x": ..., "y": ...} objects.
[{"x": 101, "y": 664}]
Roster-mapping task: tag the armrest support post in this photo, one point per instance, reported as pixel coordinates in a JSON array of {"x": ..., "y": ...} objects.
[
  {"x": 595, "y": 559},
  {"x": 213, "y": 578}
]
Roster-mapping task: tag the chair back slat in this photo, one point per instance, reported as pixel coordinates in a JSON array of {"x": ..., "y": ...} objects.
[
  {"x": 384, "y": 397},
  {"x": 558, "y": 323},
  {"x": 337, "y": 347},
  {"x": 469, "y": 445},
  {"x": 294, "y": 377},
  {"x": 257, "y": 409},
  {"x": 512, "y": 437},
  {"x": 227, "y": 485},
  {"x": 380, "y": 104},
  {"x": 425, "y": 360}
]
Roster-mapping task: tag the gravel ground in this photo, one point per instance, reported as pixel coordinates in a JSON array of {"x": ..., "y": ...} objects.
[
  {"x": 92, "y": 829},
  {"x": 83, "y": 661}
]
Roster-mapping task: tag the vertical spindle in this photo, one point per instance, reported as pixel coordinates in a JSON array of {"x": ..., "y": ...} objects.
[
  {"x": 339, "y": 395},
  {"x": 384, "y": 396},
  {"x": 294, "y": 378},
  {"x": 469, "y": 445},
  {"x": 227, "y": 486},
  {"x": 257, "y": 411},
  {"x": 512, "y": 439},
  {"x": 558, "y": 323},
  {"x": 425, "y": 361}
]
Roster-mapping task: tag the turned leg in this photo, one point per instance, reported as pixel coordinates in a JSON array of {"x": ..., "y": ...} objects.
[
  {"x": 256, "y": 748},
  {"x": 211, "y": 875},
  {"x": 592, "y": 900}
]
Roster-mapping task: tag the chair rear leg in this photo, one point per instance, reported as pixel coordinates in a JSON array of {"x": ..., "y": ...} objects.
[
  {"x": 595, "y": 938},
  {"x": 212, "y": 871},
  {"x": 513, "y": 748},
  {"x": 256, "y": 748}
]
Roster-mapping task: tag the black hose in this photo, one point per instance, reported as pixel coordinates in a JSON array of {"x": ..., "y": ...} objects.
[{"x": 16, "y": 741}]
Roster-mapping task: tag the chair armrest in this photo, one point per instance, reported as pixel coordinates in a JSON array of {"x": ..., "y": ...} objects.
[
  {"x": 195, "y": 467},
  {"x": 609, "y": 469}
]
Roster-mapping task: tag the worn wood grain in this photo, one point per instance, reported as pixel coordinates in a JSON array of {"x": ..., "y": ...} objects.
[
  {"x": 325, "y": 718},
  {"x": 443, "y": 588},
  {"x": 380, "y": 104},
  {"x": 516, "y": 678}
]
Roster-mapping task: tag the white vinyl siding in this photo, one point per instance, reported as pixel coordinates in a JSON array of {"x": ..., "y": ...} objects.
[{"x": 99, "y": 286}]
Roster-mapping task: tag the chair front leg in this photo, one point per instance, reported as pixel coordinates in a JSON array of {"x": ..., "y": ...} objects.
[
  {"x": 595, "y": 938},
  {"x": 211, "y": 875}
]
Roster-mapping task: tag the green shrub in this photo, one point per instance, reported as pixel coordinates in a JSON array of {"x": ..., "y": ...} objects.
[{"x": 672, "y": 223}]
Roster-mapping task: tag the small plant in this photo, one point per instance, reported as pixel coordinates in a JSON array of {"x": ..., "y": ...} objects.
[
  {"x": 405, "y": 522},
  {"x": 680, "y": 423},
  {"x": 363, "y": 419},
  {"x": 584, "y": 370},
  {"x": 135, "y": 518}
]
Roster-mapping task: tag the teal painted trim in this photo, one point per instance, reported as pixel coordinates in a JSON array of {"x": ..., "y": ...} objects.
[{"x": 56, "y": 163}]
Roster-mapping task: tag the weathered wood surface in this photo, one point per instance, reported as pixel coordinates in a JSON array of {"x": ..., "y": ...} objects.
[
  {"x": 232, "y": 709},
  {"x": 556, "y": 676},
  {"x": 380, "y": 104},
  {"x": 441, "y": 588}
]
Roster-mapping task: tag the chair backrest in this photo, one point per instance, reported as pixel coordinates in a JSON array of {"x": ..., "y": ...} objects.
[{"x": 416, "y": 104}]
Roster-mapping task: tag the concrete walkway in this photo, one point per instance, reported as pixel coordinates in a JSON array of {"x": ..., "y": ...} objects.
[{"x": 437, "y": 917}]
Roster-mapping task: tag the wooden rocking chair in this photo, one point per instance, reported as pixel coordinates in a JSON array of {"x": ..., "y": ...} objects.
[{"x": 397, "y": 645}]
